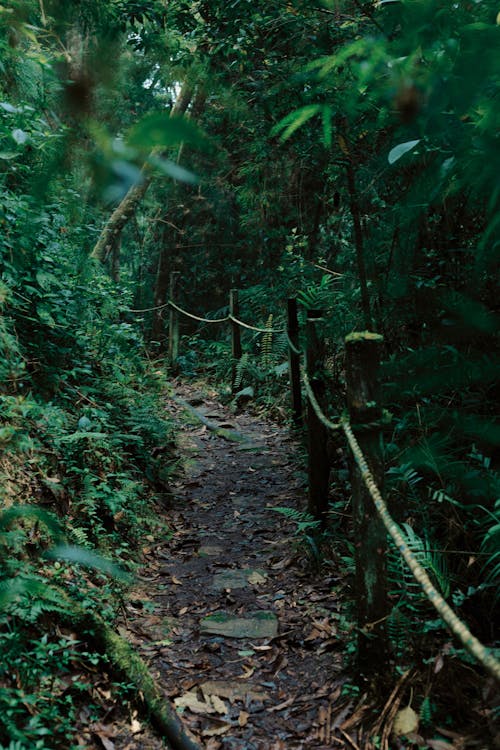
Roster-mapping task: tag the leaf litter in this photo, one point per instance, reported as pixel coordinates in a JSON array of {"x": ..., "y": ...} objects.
[{"x": 282, "y": 689}]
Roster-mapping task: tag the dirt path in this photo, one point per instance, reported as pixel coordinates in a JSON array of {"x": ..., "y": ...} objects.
[{"x": 230, "y": 621}]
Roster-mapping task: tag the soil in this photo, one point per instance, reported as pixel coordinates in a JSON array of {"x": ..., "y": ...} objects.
[
  {"x": 233, "y": 559},
  {"x": 241, "y": 631}
]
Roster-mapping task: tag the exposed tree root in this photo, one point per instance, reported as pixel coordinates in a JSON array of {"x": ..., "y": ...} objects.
[
  {"x": 129, "y": 666},
  {"x": 230, "y": 435}
]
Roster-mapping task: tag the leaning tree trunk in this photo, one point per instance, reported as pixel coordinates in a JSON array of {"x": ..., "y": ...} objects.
[
  {"x": 111, "y": 233},
  {"x": 164, "y": 258}
]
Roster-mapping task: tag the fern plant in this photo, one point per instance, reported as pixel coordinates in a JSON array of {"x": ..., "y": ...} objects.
[
  {"x": 408, "y": 618},
  {"x": 267, "y": 345},
  {"x": 307, "y": 530}
]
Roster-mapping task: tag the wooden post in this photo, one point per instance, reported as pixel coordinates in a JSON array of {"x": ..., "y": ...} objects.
[
  {"x": 317, "y": 433},
  {"x": 363, "y": 400},
  {"x": 234, "y": 309},
  {"x": 294, "y": 361},
  {"x": 173, "y": 321}
]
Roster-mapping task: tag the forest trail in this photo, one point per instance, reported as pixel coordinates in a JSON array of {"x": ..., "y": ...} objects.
[{"x": 238, "y": 631}]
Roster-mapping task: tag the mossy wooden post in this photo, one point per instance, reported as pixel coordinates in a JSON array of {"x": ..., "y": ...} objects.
[
  {"x": 173, "y": 321},
  {"x": 294, "y": 361},
  {"x": 363, "y": 399},
  {"x": 317, "y": 433},
  {"x": 234, "y": 310}
]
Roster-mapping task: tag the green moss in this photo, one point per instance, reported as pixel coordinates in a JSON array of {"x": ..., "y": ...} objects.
[{"x": 358, "y": 336}]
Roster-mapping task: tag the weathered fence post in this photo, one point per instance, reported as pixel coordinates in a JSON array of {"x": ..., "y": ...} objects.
[
  {"x": 173, "y": 320},
  {"x": 294, "y": 360},
  {"x": 317, "y": 433},
  {"x": 363, "y": 400},
  {"x": 234, "y": 310}
]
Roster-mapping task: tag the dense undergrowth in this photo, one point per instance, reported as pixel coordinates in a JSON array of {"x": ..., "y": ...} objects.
[
  {"x": 350, "y": 160},
  {"x": 86, "y": 457}
]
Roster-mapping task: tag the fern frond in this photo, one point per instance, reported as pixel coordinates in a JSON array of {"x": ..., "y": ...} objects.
[
  {"x": 266, "y": 345},
  {"x": 302, "y": 519},
  {"x": 241, "y": 368}
]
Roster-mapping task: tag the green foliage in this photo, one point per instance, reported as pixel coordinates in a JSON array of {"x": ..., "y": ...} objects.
[
  {"x": 39, "y": 696},
  {"x": 307, "y": 531}
]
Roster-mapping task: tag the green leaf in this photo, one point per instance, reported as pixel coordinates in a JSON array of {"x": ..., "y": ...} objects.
[
  {"x": 30, "y": 512},
  {"x": 294, "y": 120},
  {"x": 88, "y": 559},
  {"x": 159, "y": 129},
  {"x": 173, "y": 170},
  {"x": 20, "y": 136},
  {"x": 7, "y": 107},
  {"x": 400, "y": 150}
]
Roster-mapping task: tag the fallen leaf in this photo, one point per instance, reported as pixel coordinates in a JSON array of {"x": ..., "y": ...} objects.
[
  {"x": 255, "y": 578},
  {"x": 233, "y": 690},
  {"x": 405, "y": 721},
  {"x": 103, "y": 734},
  {"x": 135, "y": 726},
  {"x": 439, "y": 745},
  {"x": 183, "y": 611},
  {"x": 191, "y": 701},
  {"x": 243, "y": 718},
  {"x": 216, "y": 731},
  {"x": 218, "y": 704},
  {"x": 438, "y": 663},
  {"x": 247, "y": 672},
  {"x": 281, "y": 706},
  {"x": 176, "y": 581}
]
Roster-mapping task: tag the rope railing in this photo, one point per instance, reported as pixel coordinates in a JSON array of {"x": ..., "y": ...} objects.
[
  {"x": 447, "y": 614},
  {"x": 457, "y": 627},
  {"x": 255, "y": 328},
  {"x": 196, "y": 317},
  {"x": 292, "y": 346},
  {"x": 225, "y": 319},
  {"x": 315, "y": 405}
]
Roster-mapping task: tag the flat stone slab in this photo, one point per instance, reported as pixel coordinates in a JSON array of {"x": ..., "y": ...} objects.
[
  {"x": 238, "y": 579},
  {"x": 260, "y": 624},
  {"x": 210, "y": 550}
]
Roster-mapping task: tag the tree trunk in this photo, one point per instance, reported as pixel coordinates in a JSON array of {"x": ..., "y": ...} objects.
[
  {"x": 160, "y": 294},
  {"x": 164, "y": 258},
  {"x": 111, "y": 233},
  {"x": 358, "y": 233}
]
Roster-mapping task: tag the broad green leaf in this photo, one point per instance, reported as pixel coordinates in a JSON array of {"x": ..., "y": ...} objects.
[
  {"x": 8, "y": 155},
  {"x": 9, "y": 108},
  {"x": 84, "y": 424},
  {"x": 159, "y": 129},
  {"x": 20, "y": 136},
  {"x": 173, "y": 170},
  {"x": 86, "y": 558},
  {"x": 400, "y": 150}
]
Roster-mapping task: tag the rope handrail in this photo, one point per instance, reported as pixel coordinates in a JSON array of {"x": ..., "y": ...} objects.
[
  {"x": 255, "y": 328},
  {"x": 457, "y": 627},
  {"x": 447, "y": 614},
  {"x": 148, "y": 309},
  {"x": 196, "y": 317},
  {"x": 292, "y": 346},
  {"x": 231, "y": 317},
  {"x": 315, "y": 405}
]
